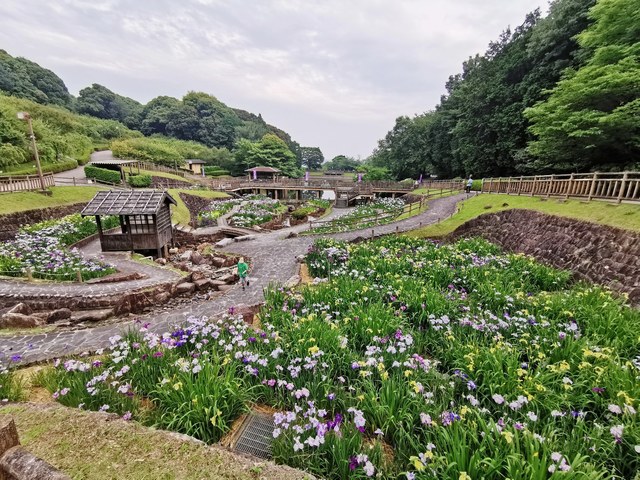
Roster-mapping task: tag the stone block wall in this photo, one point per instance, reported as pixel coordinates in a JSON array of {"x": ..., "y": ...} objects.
[
  {"x": 11, "y": 222},
  {"x": 596, "y": 253},
  {"x": 16, "y": 463}
]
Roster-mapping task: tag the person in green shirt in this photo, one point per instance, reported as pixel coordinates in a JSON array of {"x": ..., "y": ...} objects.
[{"x": 243, "y": 271}]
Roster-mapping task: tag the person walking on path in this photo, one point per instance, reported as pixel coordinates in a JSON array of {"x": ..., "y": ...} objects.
[
  {"x": 469, "y": 185},
  {"x": 243, "y": 271}
]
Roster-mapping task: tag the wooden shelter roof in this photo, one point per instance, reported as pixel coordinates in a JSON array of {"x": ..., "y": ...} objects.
[
  {"x": 127, "y": 202},
  {"x": 112, "y": 161},
  {"x": 263, "y": 170}
]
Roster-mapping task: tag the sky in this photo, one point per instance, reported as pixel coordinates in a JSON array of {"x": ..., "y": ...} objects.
[{"x": 334, "y": 74}]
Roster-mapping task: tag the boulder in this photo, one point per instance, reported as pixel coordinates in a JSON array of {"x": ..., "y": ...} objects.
[
  {"x": 91, "y": 315},
  {"x": 257, "y": 228},
  {"x": 186, "y": 256},
  {"x": 19, "y": 320},
  {"x": 161, "y": 261},
  {"x": 58, "y": 314},
  {"x": 292, "y": 282},
  {"x": 292, "y": 235},
  {"x": 228, "y": 278},
  {"x": 224, "y": 242},
  {"x": 22, "y": 308},
  {"x": 216, "y": 284},
  {"x": 218, "y": 261},
  {"x": 197, "y": 275},
  {"x": 182, "y": 266},
  {"x": 245, "y": 238},
  {"x": 198, "y": 259},
  {"x": 173, "y": 251},
  {"x": 185, "y": 288},
  {"x": 300, "y": 258},
  {"x": 203, "y": 284},
  {"x": 162, "y": 297}
]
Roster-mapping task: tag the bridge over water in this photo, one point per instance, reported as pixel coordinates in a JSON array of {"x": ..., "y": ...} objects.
[{"x": 346, "y": 190}]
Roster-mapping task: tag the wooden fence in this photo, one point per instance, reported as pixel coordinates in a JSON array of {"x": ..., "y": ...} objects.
[
  {"x": 21, "y": 183},
  {"x": 617, "y": 187},
  {"x": 160, "y": 168}
]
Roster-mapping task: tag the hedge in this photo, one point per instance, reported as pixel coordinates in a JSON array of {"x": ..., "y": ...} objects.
[
  {"x": 215, "y": 171},
  {"x": 57, "y": 167},
  {"x": 140, "y": 181},
  {"x": 102, "y": 174}
]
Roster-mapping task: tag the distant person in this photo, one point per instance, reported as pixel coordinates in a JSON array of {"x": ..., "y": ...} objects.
[
  {"x": 469, "y": 185},
  {"x": 243, "y": 272}
]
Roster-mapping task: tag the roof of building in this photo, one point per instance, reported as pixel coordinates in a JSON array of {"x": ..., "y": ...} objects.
[
  {"x": 112, "y": 161},
  {"x": 127, "y": 202},
  {"x": 195, "y": 160},
  {"x": 263, "y": 169}
]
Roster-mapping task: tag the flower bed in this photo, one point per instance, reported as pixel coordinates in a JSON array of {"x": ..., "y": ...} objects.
[
  {"x": 215, "y": 210},
  {"x": 413, "y": 361},
  {"x": 380, "y": 212},
  {"x": 70, "y": 229},
  {"x": 256, "y": 211}
]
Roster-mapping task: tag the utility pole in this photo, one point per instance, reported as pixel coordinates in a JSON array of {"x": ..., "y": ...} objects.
[{"x": 27, "y": 117}]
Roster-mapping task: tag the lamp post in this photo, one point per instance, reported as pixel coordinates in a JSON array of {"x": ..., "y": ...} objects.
[{"x": 27, "y": 117}]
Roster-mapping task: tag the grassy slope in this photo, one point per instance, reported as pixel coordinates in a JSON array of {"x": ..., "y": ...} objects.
[
  {"x": 89, "y": 445},
  {"x": 621, "y": 216},
  {"x": 181, "y": 212},
  {"x": 154, "y": 173},
  {"x": 20, "y": 201}
]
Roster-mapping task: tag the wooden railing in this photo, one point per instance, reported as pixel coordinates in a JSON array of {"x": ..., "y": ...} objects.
[
  {"x": 20, "y": 183},
  {"x": 330, "y": 184},
  {"x": 617, "y": 187},
  {"x": 160, "y": 168}
]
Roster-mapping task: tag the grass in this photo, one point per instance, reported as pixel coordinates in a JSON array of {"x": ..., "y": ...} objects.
[
  {"x": 181, "y": 212},
  {"x": 89, "y": 445},
  {"x": 622, "y": 216},
  {"x": 21, "y": 201}
]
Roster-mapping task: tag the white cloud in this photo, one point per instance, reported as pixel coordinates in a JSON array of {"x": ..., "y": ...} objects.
[{"x": 333, "y": 74}]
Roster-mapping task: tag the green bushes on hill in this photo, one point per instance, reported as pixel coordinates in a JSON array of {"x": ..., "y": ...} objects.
[
  {"x": 102, "y": 174},
  {"x": 215, "y": 171}
]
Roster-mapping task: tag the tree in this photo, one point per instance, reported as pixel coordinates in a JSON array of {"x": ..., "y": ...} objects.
[
  {"x": 590, "y": 120},
  {"x": 341, "y": 163},
  {"x": 26, "y": 79},
  {"x": 312, "y": 157},
  {"x": 99, "y": 101},
  {"x": 270, "y": 151}
]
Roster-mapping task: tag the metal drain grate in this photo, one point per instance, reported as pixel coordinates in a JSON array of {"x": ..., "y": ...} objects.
[{"x": 256, "y": 436}]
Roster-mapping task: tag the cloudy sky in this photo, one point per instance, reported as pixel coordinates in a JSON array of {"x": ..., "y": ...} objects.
[{"x": 332, "y": 73}]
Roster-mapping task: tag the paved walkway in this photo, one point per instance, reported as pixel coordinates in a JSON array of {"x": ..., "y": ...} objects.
[{"x": 274, "y": 261}]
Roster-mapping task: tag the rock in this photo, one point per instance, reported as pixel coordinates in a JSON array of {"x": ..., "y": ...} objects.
[
  {"x": 161, "y": 261},
  {"x": 185, "y": 288},
  {"x": 300, "y": 258},
  {"x": 228, "y": 278},
  {"x": 218, "y": 261},
  {"x": 292, "y": 235},
  {"x": 224, "y": 242},
  {"x": 245, "y": 238},
  {"x": 58, "y": 314},
  {"x": 216, "y": 284},
  {"x": 229, "y": 261},
  {"x": 19, "y": 320},
  {"x": 202, "y": 284},
  {"x": 162, "y": 297},
  {"x": 197, "y": 275},
  {"x": 91, "y": 315},
  {"x": 292, "y": 282},
  {"x": 197, "y": 258},
  {"x": 182, "y": 266},
  {"x": 22, "y": 308},
  {"x": 117, "y": 277},
  {"x": 17, "y": 462},
  {"x": 224, "y": 288},
  {"x": 173, "y": 251},
  {"x": 257, "y": 228},
  {"x": 186, "y": 256},
  {"x": 204, "y": 246}
]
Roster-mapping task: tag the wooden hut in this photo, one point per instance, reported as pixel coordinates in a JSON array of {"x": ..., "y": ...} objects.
[
  {"x": 195, "y": 166},
  {"x": 145, "y": 220}
]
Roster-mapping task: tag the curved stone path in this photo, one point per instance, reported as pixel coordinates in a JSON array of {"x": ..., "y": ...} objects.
[{"x": 274, "y": 261}]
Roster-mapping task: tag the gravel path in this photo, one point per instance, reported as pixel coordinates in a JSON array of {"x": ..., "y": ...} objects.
[{"x": 274, "y": 261}]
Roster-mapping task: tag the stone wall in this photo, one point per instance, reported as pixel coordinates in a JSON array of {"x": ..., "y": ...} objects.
[
  {"x": 16, "y": 463},
  {"x": 596, "y": 253},
  {"x": 11, "y": 222},
  {"x": 195, "y": 204}
]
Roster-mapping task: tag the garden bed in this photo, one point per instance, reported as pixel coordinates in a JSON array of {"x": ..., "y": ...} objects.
[
  {"x": 380, "y": 212},
  {"x": 415, "y": 360}
]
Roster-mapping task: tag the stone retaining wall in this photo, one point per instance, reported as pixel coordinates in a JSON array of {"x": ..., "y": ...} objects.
[
  {"x": 596, "y": 253},
  {"x": 11, "y": 222},
  {"x": 16, "y": 463},
  {"x": 195, "y": 204}
]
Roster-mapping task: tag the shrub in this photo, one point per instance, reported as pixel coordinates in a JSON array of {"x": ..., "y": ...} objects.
[
  {"x": 140, "y": 181},
  {"x": 302, "y": 212},
  {"x": 102, "y": 174},
  {"x": 215, "y": 171}
]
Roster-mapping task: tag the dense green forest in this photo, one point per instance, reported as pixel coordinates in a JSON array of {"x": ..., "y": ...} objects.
[
  {"x": 556, "y": 94},
  {"x": 165, "y": 130}
]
